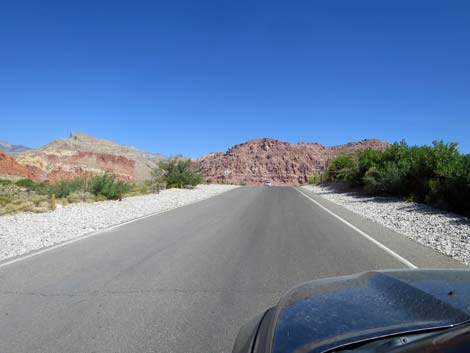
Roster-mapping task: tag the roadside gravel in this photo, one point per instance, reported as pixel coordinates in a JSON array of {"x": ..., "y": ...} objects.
[
  {"x": 25, "y": 232},
  {"x": 445, "y": 232}
]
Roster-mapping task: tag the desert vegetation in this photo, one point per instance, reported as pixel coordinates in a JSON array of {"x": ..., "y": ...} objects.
[
  {"x": 438, "y": 175},
  {"x": 179, "y": 173},
  {"x": 33, "y": 196}
]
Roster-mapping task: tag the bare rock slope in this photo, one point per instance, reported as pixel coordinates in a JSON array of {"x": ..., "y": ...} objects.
[
  {"x": 83, "y": 155},
  {"x": 281, "y": 162},
  {"x": 10, "y": 167}
]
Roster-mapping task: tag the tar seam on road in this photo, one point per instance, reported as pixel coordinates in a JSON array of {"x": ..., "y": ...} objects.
[
  {"x": 365, "y": 235},
  {"x": 89, "y": 235}
]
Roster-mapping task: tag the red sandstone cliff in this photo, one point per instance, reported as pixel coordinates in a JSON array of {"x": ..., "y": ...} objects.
[
  {"x": 9, "y": 166},
  {"x": 258, "y": 160}
]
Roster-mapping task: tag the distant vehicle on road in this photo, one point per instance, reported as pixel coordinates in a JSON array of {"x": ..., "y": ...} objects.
[
  {"x": 267, "y": 183},
  {"x": 408, "y": 311}
]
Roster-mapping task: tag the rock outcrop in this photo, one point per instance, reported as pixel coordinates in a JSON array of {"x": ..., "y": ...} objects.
[
  {"x": 252, "y": 162},
  {"x": 10, "y": 167},
  {"x": 82, "y": 156},
  {"x": 282, "y": 163}
]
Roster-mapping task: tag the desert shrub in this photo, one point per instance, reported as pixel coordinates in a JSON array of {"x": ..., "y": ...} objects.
[
  {"x": 106, "y": 185},
  {"x": 26, "y": 183},
  {"x": 316, "y": 179},
  {"x": 140, "y": 189},
  {"x": 384, "y": 180},
  {"x": 157, "y": 181},
  {"x": 344, "y": 168},
  {"x": 31, "y": 185},
  {"x": 5, "y": 182},
  {"x": 80, "y": 196},
  {"x": 84, "y": 189},
  {"x": 180, "y": 172},
  {"x": 100, "y": 198},
  {"x": 66, "y": 187},
  {"x": 438, "y": 174},
  {"x": 18, "y": 206},
  {"x": 5, "y": 200}
]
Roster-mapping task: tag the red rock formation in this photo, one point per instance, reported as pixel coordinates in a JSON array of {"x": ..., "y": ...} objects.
[
  {"x": 65, "y": 166},
  {"x": 9, "y": 166},
  {"x": 82, "y": 155},
  {"x": 283, "y": 163}
]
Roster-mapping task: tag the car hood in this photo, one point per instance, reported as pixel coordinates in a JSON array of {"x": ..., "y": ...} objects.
[{"x": 329, "y": 313}]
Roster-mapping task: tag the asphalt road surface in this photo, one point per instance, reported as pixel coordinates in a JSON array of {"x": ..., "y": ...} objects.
[{"x": 186, "y": 280}]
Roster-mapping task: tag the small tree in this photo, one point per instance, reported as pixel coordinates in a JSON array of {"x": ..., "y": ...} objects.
[
  {"x": 180, "y": 172},
  {"x": 157, "y": 179}
]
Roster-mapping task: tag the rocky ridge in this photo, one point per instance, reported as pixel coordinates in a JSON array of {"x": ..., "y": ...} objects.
[
  {"x": 82, "y": 155},
  {"x": 258, "y": 160}
]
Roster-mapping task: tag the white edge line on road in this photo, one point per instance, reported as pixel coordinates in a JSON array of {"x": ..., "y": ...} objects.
[
  {"x": 365, "y": 235},
  {"x": 89, "y": 235}
]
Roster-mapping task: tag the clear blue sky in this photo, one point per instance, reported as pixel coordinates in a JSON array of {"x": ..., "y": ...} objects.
[{"x": 198, "y": 76}]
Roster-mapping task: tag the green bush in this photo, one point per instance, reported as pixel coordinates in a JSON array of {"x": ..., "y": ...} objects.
[
  {"x": 438, "y": 175},
  {"x": 345, "y": 168},
  {"x": 26, "y": 183},
  {"x": 31, "y": 185},
  {"x": 180, "y": 172},
  {"x": 315, "y": 179},
  {"x": 66, "y": 187},
  {"x": 385, "y": 180},
  {"x": 107, "y": 186},
  {"x": 5, "y": 182}
]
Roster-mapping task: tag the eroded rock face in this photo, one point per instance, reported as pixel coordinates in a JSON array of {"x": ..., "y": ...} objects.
[
  {"x": 84, "y": 156},
  {"x": 9, "y": 166},
  {"x": 282, "y": 163}
]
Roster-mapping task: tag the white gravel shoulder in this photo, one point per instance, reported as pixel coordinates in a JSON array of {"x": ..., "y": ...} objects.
[
  {"x": 445, "y": 232},
  {"x": 25, "y": 232}
]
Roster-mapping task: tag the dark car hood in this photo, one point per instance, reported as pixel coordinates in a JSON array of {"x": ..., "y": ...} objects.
[{"x": 329, "y": 313}]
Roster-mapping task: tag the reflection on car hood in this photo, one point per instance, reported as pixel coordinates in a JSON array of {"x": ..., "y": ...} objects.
[{"x": 329, "y": 313}]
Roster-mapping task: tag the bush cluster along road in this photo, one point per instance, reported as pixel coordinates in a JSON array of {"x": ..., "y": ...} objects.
[{"x": 186, "y": 280}]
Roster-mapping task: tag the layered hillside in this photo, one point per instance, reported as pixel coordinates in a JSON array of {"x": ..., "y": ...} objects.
[
  {"x": 10, "y": 167},
  {"x": 258, "y": 160},
  {"x": 83, "y": 155}
]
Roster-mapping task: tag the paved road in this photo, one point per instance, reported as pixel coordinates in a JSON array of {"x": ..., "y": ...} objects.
[{"x": 184, "y": 281}]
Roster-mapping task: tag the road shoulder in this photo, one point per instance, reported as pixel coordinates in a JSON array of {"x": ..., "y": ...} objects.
[{"x": 418, "y": 254}]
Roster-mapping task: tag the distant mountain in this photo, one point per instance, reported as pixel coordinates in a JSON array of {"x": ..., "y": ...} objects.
[
  {"x": 12, "y": 150},
  {"x": 83, "y": 155},
  {"x": 251, "y": 162},
  {"x": 80, "y": 142},
  {"x": 281, "y": 162}
]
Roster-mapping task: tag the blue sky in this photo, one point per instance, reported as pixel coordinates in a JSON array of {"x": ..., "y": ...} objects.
[{"x": 192, "y": 77}]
